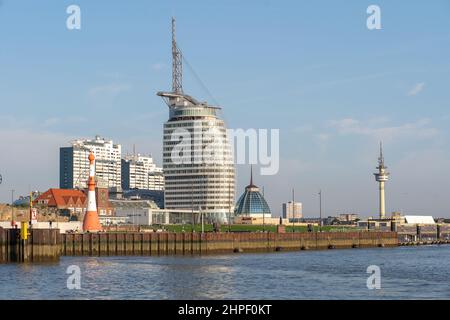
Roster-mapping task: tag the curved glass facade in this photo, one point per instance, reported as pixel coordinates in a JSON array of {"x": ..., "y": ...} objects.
[
  {"x": 251, "y": 202},
  {"x": 203, "y": 177},
  {"x": 191, "y": 112}
]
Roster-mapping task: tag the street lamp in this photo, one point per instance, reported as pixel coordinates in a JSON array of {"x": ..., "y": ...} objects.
[
  {"x": 12, "y": 208},
  {"x": 229, "y": 207},
  {"x": 293, "y": 206},
  {"x": 264, "y": 215},
  {"x": 320, "y": 210},
  {"x": 192, "y": 207},
  {"x": 201, "y": 216}
]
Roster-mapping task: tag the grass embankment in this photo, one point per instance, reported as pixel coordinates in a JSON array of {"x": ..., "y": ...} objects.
[{"x": 251, "y": 228}]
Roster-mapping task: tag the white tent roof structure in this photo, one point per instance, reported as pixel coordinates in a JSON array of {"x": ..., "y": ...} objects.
[{"x": 419, "y": 220}]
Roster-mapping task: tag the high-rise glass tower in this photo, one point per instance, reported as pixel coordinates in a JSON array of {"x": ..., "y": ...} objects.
[{"x": 197, "y": 157}]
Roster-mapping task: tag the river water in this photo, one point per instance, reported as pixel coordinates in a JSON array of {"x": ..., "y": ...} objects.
[{"x": 406, "y": 273}]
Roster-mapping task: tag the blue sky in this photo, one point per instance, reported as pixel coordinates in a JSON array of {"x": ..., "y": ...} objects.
[{"x": 310, "y": 68}]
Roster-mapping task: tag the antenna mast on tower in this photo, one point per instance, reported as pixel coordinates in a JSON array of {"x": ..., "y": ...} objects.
[
  {"x": 177, "y": 66},
  {"x": 381, "y": 158}
]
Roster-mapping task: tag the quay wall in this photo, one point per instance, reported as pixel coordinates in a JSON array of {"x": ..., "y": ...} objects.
[
  {"x": 42, "y": 245},
  {"x": 49, "y": 244},
  {"x": 413, "y": 233},
  {"x": 104, "y": 244}
]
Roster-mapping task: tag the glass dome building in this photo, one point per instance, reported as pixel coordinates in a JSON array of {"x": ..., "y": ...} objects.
[{"x": 252, "y": 203}]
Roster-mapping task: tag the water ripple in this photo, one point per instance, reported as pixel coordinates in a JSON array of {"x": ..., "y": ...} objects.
[{"x": 407, "y": 273}]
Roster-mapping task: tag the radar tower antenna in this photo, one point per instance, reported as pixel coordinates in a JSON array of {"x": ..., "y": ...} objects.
[{"x": 177, "y": 63}]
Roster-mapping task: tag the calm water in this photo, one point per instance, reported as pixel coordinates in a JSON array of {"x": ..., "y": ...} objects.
[{"x": 406, "y": 273}]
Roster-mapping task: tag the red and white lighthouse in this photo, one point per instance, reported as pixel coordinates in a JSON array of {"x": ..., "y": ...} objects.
[{"x": 91, "y": 221}]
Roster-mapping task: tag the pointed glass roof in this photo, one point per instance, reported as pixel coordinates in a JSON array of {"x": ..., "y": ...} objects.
[{"x": 251, "y": 201}]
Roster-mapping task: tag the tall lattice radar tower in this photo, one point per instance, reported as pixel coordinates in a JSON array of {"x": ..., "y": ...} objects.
[{"x": 381, "y": 177}]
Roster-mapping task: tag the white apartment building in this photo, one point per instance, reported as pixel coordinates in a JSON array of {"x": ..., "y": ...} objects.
[
  {"x": 74, "y": 163},
  {"x": 140, "y": 172},
  {"x": 292, "y": 210}
]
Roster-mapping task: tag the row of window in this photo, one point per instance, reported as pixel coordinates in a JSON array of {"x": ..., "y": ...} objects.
[
  {"x": 204, "y": 170},
  {"x": 198, "y": 142},
  {"x": 186, "y": 205},
  {"x": 200, "y": 128},
  {"x": 197, "y": 165},
  {"x": 179, "y": 124}
]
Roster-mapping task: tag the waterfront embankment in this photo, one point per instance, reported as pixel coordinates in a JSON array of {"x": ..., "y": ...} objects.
[
  {"x": 41, "y": 245},
  {"x": 49, "y": 245}
]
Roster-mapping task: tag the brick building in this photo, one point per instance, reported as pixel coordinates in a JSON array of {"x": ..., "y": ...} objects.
[{"x": 73, "y": 202}]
